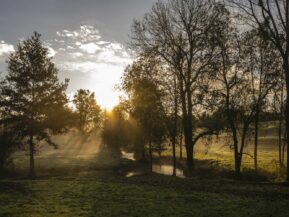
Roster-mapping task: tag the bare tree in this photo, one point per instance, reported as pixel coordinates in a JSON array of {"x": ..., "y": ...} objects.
[
  {"x": 233, "y": 78},
  {"x": 272, "y": 17},
  {"x": 263, "y": 63},
  {"x": 181, "y": 32},
  {"x": 278, "y": 103}
]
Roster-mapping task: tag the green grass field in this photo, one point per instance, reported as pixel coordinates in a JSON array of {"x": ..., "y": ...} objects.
[
  {"x": 75, "y": 181},
  {"x": 139, "y": 196},
  {"x": 218, "y": 154}
]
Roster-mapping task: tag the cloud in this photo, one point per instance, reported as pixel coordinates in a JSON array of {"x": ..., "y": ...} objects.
[
  {"x": 51, "y": 52},
  {"x": 89, "y": 47},
  {"x": 5, "y": 48},
  {"x": 86, "y": 43}
]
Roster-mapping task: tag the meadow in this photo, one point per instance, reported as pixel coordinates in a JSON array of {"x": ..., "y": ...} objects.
[
  {"x": 107, "y": 195},
  {"x": 77, "y": 180}
]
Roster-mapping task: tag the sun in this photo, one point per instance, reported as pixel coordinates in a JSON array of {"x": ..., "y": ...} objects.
[{"x": 108, "y": 103}]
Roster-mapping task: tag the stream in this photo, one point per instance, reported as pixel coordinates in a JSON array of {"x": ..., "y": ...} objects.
[{"x": 164, "y": 169}]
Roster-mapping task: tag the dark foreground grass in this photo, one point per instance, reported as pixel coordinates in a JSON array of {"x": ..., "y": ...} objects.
[{"x": 95, "y": 197}]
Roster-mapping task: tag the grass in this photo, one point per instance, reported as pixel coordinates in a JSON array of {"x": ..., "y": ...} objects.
[
  {"x": 87, "y": 197},
  {"x": 73, "y": 183},
  {"x": 219, "y": 155}
]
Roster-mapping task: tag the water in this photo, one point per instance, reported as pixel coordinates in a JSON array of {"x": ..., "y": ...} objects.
[
  {"x": 127, "y": 155},
  {"x": 164, "y": 169}
]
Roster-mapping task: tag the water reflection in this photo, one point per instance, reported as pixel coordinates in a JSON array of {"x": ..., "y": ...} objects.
[
  {"x": 167, "y": 170},
  {"x": 128, "y": 155},
  {"x": 160, "y": 169},
  {"x": 164, "y": 169}
]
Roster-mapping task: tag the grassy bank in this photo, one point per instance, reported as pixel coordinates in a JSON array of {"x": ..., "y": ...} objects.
[{"x": 139, "y": 196}]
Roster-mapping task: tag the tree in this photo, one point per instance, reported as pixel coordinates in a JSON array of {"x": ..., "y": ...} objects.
[
  {"x": 145, "y": 100},
  {"x": 172, "y": 110},
  {"x": 87, "y": 110},
  {"x": 33, "y": 100},
  {"x": 278, "y": 104},
  {"x": 263, "y": 63},
  {"x": 181, "y": 33},
  {"x": 114, "y": 134},
  {"x": 9, "y": 142},
  {"x": 272, "y": 19},
  {"x": 230, "y": 80}
]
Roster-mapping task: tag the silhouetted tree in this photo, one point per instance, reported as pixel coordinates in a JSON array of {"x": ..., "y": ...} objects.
[
  {"x": 9, "y": 142},
  {"x": 272, "y": 19},
  {"x": 145, "y": 100},
  {"x": 87, "y": 110},
  {"x": 231, "y": 80},
  {"x": 114, "y": 133},
  {"x": 33, "y": 100},
  {"x": 264, "y": 65},
  {"x": 181, "y": 33},
  {"x": 277, "y": 105}
]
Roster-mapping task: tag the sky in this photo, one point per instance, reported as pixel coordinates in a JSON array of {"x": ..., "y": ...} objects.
[{"x": 86, "y": 38}]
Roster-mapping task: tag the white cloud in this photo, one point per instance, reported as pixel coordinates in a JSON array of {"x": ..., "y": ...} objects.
[
  {"x": 51, "y": 51},
  {"x": 102, "y": 42},
  {"x": 5, "y": 48},
  {"x": 76, "y": 54},
  {"x": 85, "y": 43},
  {"x": 89, "y": 47}
]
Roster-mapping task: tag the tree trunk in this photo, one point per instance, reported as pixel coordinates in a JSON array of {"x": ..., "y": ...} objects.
[
  {"x": 281, "y": 159},
  {"x": 189, "y": 147},
  {"x": 243, "y": 140},
  {"x": 181, "y": 145},
  {"x": 283, "y": 149},
  {"x": 238, "y": 165},
  {"x": 188, "y": 139},
  {"x": 187, "y": 124},
  {"x": 143, "y": 159},
  {"x": 31, "y": 154},
  {"x": 175, "y": 125},
  {"x": 286, "y": 69},
  {"x": 190, "y": 161},
  {"x": 190, "y": 131},
  {"x": 237, "y": 156},
  {"x": 174, "y": 159},
  {"x": 151, "y": 156},
  {"x": 235, "y": 140},
  {"x": 280, "y": 142},
  {"x": 174, "y": 144},
  {"x": 256, "y": 139},
  {"x": 287, "y": 130}
]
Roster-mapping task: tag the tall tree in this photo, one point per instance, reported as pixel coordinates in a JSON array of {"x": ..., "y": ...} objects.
[
  {"x": 181, "y": 33},
  {"x": 145, "y": 99},
  {"x": 87, "y": 110},
  {"x": 278, "y": 104},
  {"x": 114, "y": 131},
  {"x": 33, "y": 99},
  {"x": 230, "y": 80},
  {"x": 263, "y": 63},
  {"x": 272, "y": 17},
  {"x": 172, "y": 110}
]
